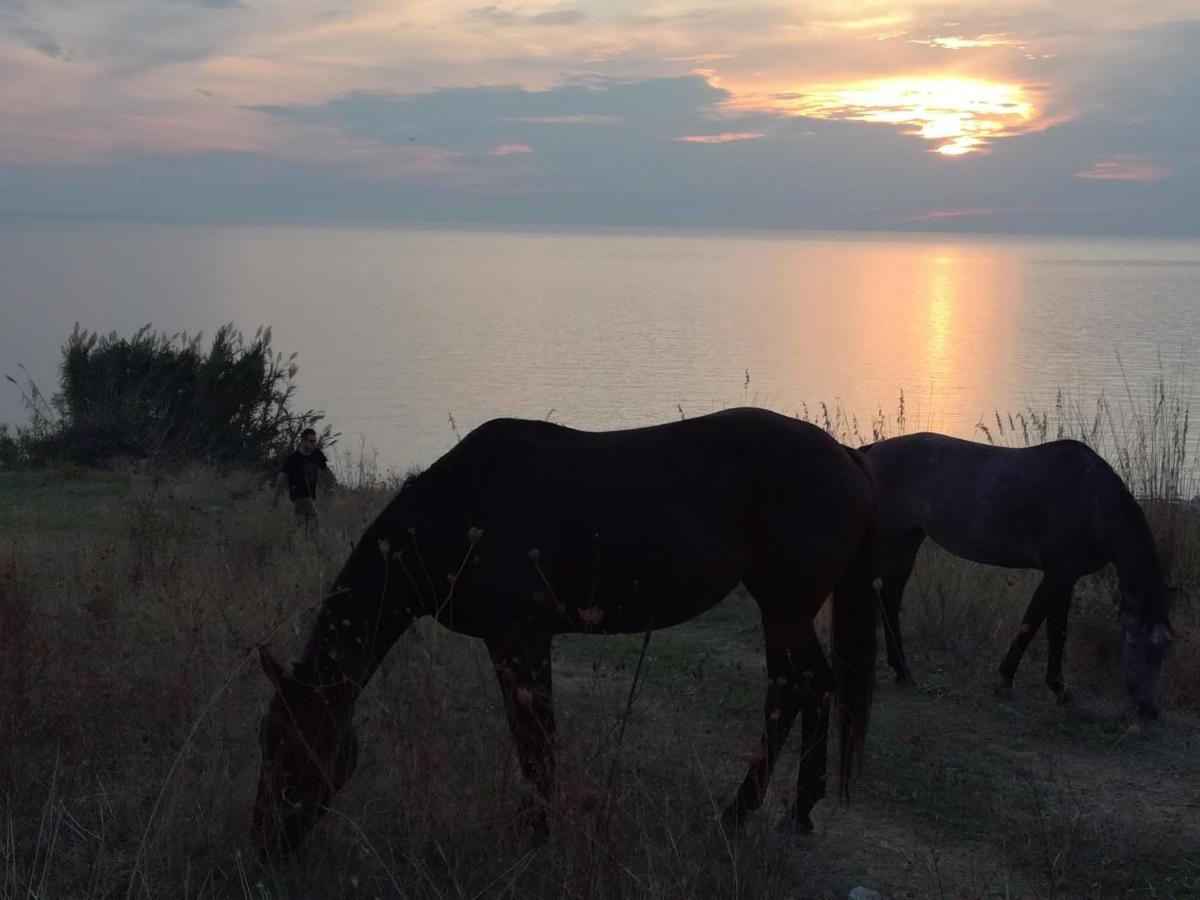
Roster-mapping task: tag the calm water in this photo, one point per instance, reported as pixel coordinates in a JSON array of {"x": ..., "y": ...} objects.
[{"x": 399, "y": 329}]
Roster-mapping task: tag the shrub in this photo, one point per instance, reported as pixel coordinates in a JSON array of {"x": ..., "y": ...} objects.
[{"x": 163, "y": 397}]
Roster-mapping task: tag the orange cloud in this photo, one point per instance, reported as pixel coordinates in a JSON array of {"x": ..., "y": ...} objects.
[
  {"x": 961, "y": 114},
  {"x": 1124, "y": 168},
  {"x": 964, "y": 43},
  {"x": 724, "y": 138}
]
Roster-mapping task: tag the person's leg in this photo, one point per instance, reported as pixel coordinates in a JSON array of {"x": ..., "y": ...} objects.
[{"x": 306, "y": 514}]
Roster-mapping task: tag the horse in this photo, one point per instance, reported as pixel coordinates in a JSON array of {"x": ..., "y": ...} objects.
[
  {"x": 1057, "y": 507},
  {"x": 528, "y": 529}
]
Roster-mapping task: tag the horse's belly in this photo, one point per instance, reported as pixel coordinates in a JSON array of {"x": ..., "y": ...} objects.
[
  {"x": 615, "y": 600},
  {"x": 663, "y": 609},
  {"x": 1007, "y": 550}
]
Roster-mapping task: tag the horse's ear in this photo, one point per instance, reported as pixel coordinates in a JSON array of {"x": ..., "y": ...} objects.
[{"x": 274, "y": 671}]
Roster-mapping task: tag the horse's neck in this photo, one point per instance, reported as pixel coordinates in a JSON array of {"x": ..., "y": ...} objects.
[
  {"x": 1133, "y": 552},
  {"x": 358, "y": 623}
]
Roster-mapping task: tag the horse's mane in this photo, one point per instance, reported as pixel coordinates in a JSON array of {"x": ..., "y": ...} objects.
[{"x": 1142, "y": 565}]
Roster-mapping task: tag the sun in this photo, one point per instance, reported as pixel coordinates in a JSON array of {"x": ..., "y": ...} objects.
[{"x": 962, "y": 115}]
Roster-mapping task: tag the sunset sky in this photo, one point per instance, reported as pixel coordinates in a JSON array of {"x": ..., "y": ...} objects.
[{"x": 1034, "y": 116}]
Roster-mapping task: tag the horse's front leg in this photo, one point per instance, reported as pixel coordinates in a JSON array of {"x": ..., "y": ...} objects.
[
  {"x": 1058, "y": 608},
  {"x": 896, "y": 573},
  {"x": 1035, "y": 614},
  {"x": 521, "y": 656}
]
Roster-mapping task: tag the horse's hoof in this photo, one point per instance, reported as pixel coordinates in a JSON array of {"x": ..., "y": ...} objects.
[
  {"x": 1003, "y": 691},
  {"x": 1064, "y": 698},
  {"x": 904, "y": 680},
  {"x": 794, "y": 823}
]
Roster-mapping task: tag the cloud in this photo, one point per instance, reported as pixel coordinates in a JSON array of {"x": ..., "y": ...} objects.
[
  {"x": 18, "y": 19},
  {"x": 495, "y": 15},
  {"x": 1124, "y": 169},
  {"x": 473, "y": 120},
  {"x": 935, "y": 214},
  {"x": 570, "y": 120},
  {"x": 39, "y": 41},
  {"x": 509, "y": 149},
  {"x": 962, "y": 115},
  {"x": 396, "y": 111},
  {"x": 723, "y": 138},
  {"x": 965, "y": 43}
]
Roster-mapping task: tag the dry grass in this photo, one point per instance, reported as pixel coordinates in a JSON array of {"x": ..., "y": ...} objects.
[
  {"x": 130, "y": 606},
  {"x": 131, "y": 694}
]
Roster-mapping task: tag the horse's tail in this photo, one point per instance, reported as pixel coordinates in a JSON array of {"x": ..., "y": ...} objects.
[{"x": 855, "y": 615}]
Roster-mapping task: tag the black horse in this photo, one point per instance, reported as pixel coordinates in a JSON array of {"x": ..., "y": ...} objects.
[
  {"x": 528, "y": 529},
  {"x": 1056, "y": 507}
]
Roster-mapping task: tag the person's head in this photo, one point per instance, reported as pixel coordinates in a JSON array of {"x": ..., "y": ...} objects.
[{"x": 308, "y": 440}]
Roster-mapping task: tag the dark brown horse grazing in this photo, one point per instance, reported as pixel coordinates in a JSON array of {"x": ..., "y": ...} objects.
[
  {"x": 1056, "y": 507},
  {"x": 527, "y": 529}
]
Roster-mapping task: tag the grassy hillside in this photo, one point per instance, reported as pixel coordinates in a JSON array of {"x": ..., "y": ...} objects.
[{"x": 130, "y": 607}]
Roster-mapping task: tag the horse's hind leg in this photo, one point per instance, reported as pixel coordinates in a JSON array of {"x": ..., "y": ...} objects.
[
  {"x": 791, "y": 680},
  {"x": 522, "y": 661},
  {"x": 816, "y": 699},
  {"x": 1035, "y": 613},
  {"x": 897, "y": 570}
]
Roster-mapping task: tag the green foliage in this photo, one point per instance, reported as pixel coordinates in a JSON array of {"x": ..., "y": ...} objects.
[{"x": 161, "y": 396}]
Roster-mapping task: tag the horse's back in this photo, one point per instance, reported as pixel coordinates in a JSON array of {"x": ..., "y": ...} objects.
[
  {"x": 683, "y": 509},
  {"x": 725, "y": 448},
  {"x": 728, "y": 466},
  {"x": 1010, "y": 506}
]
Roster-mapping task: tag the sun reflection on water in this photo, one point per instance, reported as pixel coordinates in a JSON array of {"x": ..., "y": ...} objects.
[
  {"x": 939, "y": 316},
  {"x": 934, "y": 321}
]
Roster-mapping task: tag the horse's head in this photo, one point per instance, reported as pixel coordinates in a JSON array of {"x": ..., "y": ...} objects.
[
  {"x": 308, "y": 753},
  {"x": 1145, "y": 642}
]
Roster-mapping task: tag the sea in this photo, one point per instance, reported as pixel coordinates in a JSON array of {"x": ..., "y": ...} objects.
[{"x": 408, "y": 337}]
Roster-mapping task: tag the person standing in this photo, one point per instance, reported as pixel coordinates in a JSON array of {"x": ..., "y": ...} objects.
[{"x": 301, "y": 474}]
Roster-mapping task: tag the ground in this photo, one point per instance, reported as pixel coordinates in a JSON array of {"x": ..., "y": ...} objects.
[
  {"x": 966, "y": 795},
  {"x": 131, "y": 607}
]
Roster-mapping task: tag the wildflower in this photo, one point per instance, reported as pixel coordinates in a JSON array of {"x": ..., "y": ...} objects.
[
  {"x": 591, "y": 617},
  {"x": 754, "y": 753}
]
